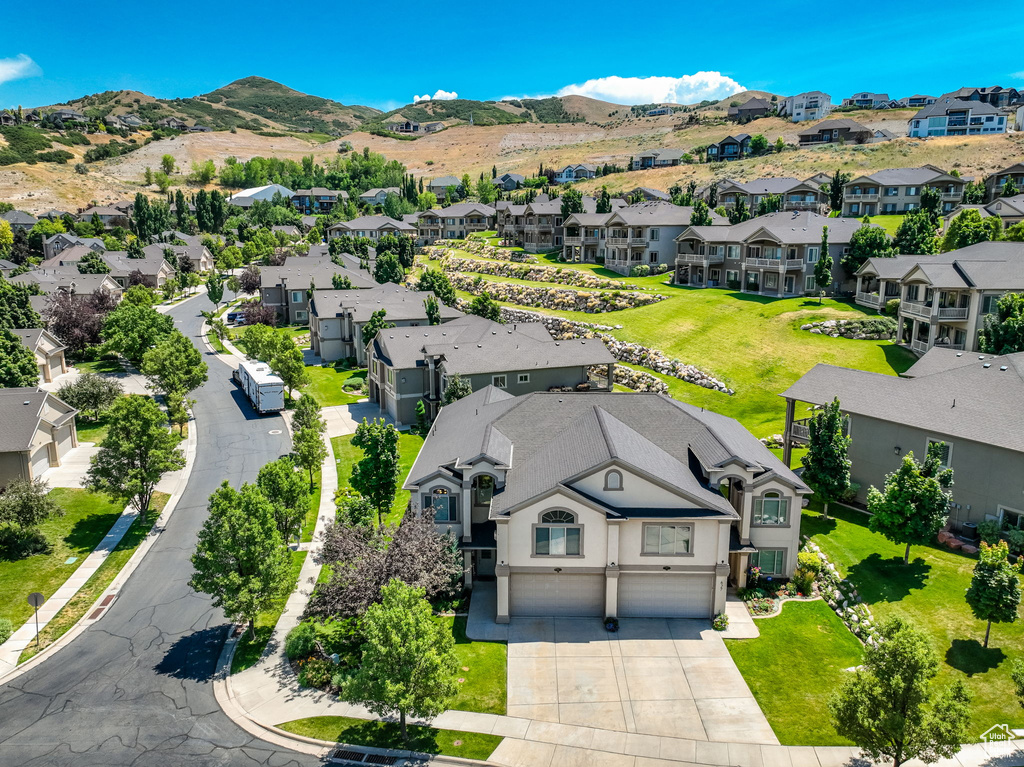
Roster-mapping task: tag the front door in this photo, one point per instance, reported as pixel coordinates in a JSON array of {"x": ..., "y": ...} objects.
[
  {"x": 790, "y": 284},
  {"x": 484, "y": 563}
]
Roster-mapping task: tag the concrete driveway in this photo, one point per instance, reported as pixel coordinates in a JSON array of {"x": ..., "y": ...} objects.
[
  {"x": 343, "y": 419},
  {"x": 654, "y": 676}
]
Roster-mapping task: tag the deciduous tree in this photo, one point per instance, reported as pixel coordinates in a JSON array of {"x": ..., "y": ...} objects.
[
  {"x": 174, "y": 365},
  {"x": 131, "y": 330},
  {"x": 455, "y": 390},
  {"x": 374, "y": 325},
  {"x": 826, "y": 465},
  {"x": 433, "y": 310},
  {"x": 701, "y": 215},
  {"x": 994, "y": 593},
  {"x": 17, "y": 362},
  {"x": 309, "y": 450},
  {"x": 437, "y": 281},
  {"x": 307, "y": 415},
  {"x": 867, "y": 242},
  {"x": 215, "y": 289},
  {"x": 16, "y": 312},
  {"x": 375, "y": 475},
  {"x": 91, "y": 394},
  {"x": 485, "y": 306},
  {"x": 823, "y": 266},
  {"x": 249, "y": 279},
  {"x": 969, "y": 228},
  {"x": 286, "y": 490},
  {"x": 388, "y": 269},
  {"x": 1004, "y": 331},
  {"x": 26, "y": 504}
]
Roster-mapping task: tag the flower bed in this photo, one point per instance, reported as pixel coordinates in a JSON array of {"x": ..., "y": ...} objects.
[
  {"x": 442, "y": 248},
  {"x": 842, "y": 597},
  {"x": 558, "y": 299},
  {"x": 533, "y": 273},
  {"x": 869, "y": 329}
]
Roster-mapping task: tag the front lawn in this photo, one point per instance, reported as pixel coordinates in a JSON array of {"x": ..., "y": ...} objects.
[
  {"x": 890, "y": 223},
  {"x": 793, "y": 667},
  {"x": 427, "y": 740},
  {"x": 930, "y": 593},
  {"x": 346, "y": 454},
  {"x": 92, "y": 431},
  {"x": 326, "y": 385},
  {"x": 483, "y": 667},
  {"x": 309, "y": 523},
  {"x": 87, "y": 518},
  {"x": 249, "y": 649},
  {"x": 102, "y": 366}
]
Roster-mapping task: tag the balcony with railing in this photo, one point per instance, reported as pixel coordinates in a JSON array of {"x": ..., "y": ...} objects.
[
  {"x": 916, "y": 309},
  {"x": 870, "y": 300},
  {"x": 953, "y": 313},
  {"x": 700, "y": 258},
  {"x": 861, "y": 196},
  {"x": 618, "y": 242},
  {"x": 800, "y": 430},
  {"x": 801, "y": 205},
  {"x": 782, "y": 264},
  {"x": 959, "y": 347},
  {"x": 919, "y": 346}
]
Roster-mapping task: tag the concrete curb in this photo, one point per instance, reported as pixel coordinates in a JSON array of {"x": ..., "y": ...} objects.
[{"x": 129, "y": 567}]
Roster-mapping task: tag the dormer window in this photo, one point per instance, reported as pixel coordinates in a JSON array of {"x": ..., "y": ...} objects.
[{"x": 613, "y": 480}]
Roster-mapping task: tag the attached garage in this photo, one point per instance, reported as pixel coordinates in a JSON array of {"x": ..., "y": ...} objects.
[
  {"x": 666, "y": 595},
  {"x": 40, "y": 460},
  {"x": 52, "y": 367},
  {"x": 561, "y": 594}
]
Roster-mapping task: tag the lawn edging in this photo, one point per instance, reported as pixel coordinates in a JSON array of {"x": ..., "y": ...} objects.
[{"x": 121, "y": 578}]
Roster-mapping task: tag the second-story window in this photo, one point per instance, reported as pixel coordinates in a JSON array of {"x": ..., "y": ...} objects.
[
  {"x": 771, "y": 509},
  {"x": 444, "y": 503}
]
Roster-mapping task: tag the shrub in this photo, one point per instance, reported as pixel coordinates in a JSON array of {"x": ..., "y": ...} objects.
[
  {"x": 315, "y": 672},
  {"x": 732, "y": 284},
  {"x": 809, "y": 561},
  {"x": 661, "y": 268},
  {"x": 892, "y": 307},
  {"x": 6, "y": 629},
  {"x": 81, "y": 168},
  {"x": 1016, "y": 540},
  {"x": 989, "y": 531},
  {"x": 850, "y": 494},
  {"x": 641, "y": 270},
  {"x": 721, "y": 622},
  {"x": 300, "y": 642}
]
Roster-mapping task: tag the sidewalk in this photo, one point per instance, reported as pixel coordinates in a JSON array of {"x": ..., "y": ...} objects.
[{"x": 172, "y": 484}]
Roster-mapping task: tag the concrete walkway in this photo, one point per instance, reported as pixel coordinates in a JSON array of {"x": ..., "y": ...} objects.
[{"x": 171, "y": 483}]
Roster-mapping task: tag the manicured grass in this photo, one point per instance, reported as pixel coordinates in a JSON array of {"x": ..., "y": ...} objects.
[
  {"x": 215, "y": 342},
  {"x": 793, "y": 667},
  {"x": 87, "y": 519},
  {"x": 92, "y": 431},
  {"x": 930, "y": 593},
  {"x": 483, "y": 666},
  {"x": 347, "y": 455},
  {"x": 326, "y": 385},
  {"x": 888, "y": 222},
  {"x": 427, "y": 740},
  {"x": 309, "y": 523},
  {"x": 86, "y": 597},
  {"x": 100, "y": 366},
  {"x": 249, "y": 650}
]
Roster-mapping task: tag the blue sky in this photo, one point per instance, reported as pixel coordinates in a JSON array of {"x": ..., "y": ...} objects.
[{"x": 384, "y": 54}]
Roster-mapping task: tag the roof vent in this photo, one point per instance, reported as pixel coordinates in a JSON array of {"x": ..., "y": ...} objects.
[
  {"x": 456, "y": 346},
  {"x": 556, "y": 343},
  {"x": 1002, "y": 367},
  {"x": 987, "y": 365},
  {"x": 959, "y": 354},
  {"x": 27, "y": 402}
]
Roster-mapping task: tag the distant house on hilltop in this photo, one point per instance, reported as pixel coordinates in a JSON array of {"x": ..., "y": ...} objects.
[
  {"x": 755, "y": 107},
  {"x": 812, "y": 105}
]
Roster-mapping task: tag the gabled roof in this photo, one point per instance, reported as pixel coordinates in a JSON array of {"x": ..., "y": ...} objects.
[
  {"x": 22, "y": 409},
  {"x": 785, "y": 227},
  {"x": 926, "y": 174},
  {"x": 948, "y": 103},
  {"x": 400, "y": 303},
  {"x": 838, "y": 123},
  {"x": 445, "y": 182},
  {"x": 656, "y": 213},
  {"x": 19, "y": 217},
  {"x": 373, "y": 222},
  {"x": 299, "y": 271},
  {"x": 462, "y": 209}
]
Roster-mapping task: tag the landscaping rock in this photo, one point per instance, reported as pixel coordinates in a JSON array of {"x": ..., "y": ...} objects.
[{"x": 967, "y": 548}]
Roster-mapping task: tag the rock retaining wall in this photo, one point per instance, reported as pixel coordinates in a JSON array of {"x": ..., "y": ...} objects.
[
  {"x": 533, "y": 273},
  {"x": 442, "y": 248},
  {"x": 558, "y": 299},
  {"x": 853, "y": 329},
  {"x": 843, "y": 598}
]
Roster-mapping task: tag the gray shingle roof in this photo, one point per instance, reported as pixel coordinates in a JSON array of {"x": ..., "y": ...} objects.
[
  {"x": 946, "y": 103},
  {"x": 837, "y": 123},
  {"x": 298, "y": 272},
  {"x": 21, "y": 410},
  {"x": 788, "y": 227},
  {"x": 399, "y": 302},
  {"x": 914, "y": 176},
  {"x": 657, "y": 213},
  {"x": 19, "y": 217}
]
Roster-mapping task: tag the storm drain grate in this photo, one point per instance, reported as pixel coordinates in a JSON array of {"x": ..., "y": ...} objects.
[
  {"x": 348, "y": 756},
  {"x": 378, "y": 759}
]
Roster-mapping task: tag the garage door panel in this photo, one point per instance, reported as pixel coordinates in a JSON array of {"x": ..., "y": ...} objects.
[
  {"x": 40, "y": 461},
  {"x": 675, "y": 595},
  {"x": 563, "y": 595}
]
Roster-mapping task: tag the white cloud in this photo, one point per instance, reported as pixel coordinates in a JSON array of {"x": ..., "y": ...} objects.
[
  {"x": 1018, "y": 75},
  {"x": 17, "y": 68},
  {"x": 439, "y": 95},
  {"x": 686, "y": 89}
]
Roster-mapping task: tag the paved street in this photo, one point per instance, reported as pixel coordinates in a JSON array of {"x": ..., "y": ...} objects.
[{"x": 135, "y": 688}]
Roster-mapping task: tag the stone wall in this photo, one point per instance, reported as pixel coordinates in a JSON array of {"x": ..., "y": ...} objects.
[
  {"x": 558, "y": 299},
  {"x": 442, "y": 248},
  {"x": 533, "y": 273},
  {"x": 869, "y": 329}
]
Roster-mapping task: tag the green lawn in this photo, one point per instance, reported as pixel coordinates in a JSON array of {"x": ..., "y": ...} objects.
[
  {"x": 428, "y": 740},
  {"x": 483, "y": 666},
  {"x": 793, "y": 667},
  {"x": 309, "y": 523},
  {"x": 348, "y": 454},
  {"x": 100, "y": 366},
  {"x": 249, "y": 650},
  {"x": 215, "y": 342},
  {"x": 87, "y": 595},
  {"x": 326, "y": 385},
  {"x": 87, "y": 519},
  {"x": 929, "y": 592},
  {"x": 888, "y": 222},
  {"x": 92, "y": 431}
]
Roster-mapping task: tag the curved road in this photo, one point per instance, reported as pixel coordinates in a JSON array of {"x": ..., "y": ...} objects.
[{"x": 135, "y": 688}]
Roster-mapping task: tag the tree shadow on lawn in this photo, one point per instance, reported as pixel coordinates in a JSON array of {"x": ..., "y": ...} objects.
[
  {"x": 818, "y": 525},
  {"x": 887, "y": 580},
  {"x": 968, "y": 656},
  {"x": 86, "y": 533},
  {"x": 388, "y": 734}
]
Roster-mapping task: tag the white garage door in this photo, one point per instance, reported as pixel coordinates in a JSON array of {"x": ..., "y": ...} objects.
[
  {"x": 40, "y": 461},
  {"x": 672, "y": 595},
  {"x": 53, "y": 365},
  {"x": 63, "y": 439},
  {"x": 557, "y": 594}
]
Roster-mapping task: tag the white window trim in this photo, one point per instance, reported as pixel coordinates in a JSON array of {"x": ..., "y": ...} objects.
[
  {"x": 523, "y": 378},
  {"x": 643, "y": 540}
]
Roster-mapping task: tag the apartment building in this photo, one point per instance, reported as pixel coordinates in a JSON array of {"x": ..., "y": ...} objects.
[
  {"x": 318, "y": 200},
  {"x": 407, "y": 365},
  {"x": 994, "y": 184},
  {"x": 378, "y": 195},
  {"x": 730, "y": 148},
  {"x": 455, "y": 222},
  {"x": 898, "y": 190},
  {"x": 440, "y": 186},
  {"x": 770, "y": 255},
  {"x": 796, "y": 194},
  {"x": 371, "y": 227},
  {"x": 943, "y": 298},
  {"x": 643, "y": 234},
  {"x": 813, "y": 105},
  {"x": 286, "y": 288},
  {"x": 539, "y": 225},
  {"x": 955, "y": 117}
]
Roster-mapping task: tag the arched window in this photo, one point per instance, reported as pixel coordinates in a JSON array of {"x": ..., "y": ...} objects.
[
  {"x": 558, "y": 535},
  {"x": 771, "y": 509},
  {"x": 613, "y": 480},
  {"x": 444, "y": 502}
]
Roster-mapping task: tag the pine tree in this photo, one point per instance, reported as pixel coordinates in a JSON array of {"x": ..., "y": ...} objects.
[{"x": 823, "y": 266}]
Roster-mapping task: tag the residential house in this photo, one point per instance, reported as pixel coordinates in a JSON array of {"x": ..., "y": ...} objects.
[
  {"x": 197, "y": 128},
  {"x": 286, "y": 288},
  {"x": 373, "y": 227},
  {"x": 440, "y": 186},
  {"x": 795, "y": 194},
  {"x": 753, "y": 108},
  {"x": 508, "y": 181},
  {"x": 455, "y": 222},
  {"x": 403, "y": 126},
  {"x": 407, "y": 365},
  {"x": 898, "y": 190},
  {"x": 19, "y": 219},
  {"x": 180, "y": 238},
  {"x": 378, "y": 195},
  {"x": 730, "y": 148},
  {"x": 58, "y": 243},
  {"x": 154, "y": 269},
  {"x": 67, "y": 116},
  {"x": 953, "y": 117},
  {"x": 199, "y": 255},
  {"x": 648, "y": 194},
  {"x": 917, "y": 100},
  {"x": 246, "y": 197},
  {"x": 287, "y": 229},
  {"x": 578, "y": 172},
  {"x": 132, "y": 120},
  {"x": 69, "y": 280},
  {"x": 48, "y": 351},
  {"x": 771, "y": 255},
  {"x": 1010, "y": 210},
  {"x": 968, "y": 402},
  {"x": 606, "y": 505},
  {"x": 36, "y": 431},
  {"x": 658, "y": 158},
  {"x": 813, "y": 105},
  {"x": 838, "y": 131},
  {"x": 53, "y": 214},
  {"x": 7, "y": 267},
  {"x": 6, "y": 118},
  {"x": 944, "y": 298},
  {"x": 433, "y": 127},
  {"x": 539, "y": 225},
  {"x": 173, "y": 123},
  {"x": 995, "y": 95},
  {"x": 658, "y": 111},
  {"x": 317, "y": 200},
  {"x": 643, "y": 235},
  {"x": 867, "y": 100},
  {"x": 108, "y": 215},
  {"x": 337, "y": 317},
  {"x": 994, "y": 183}
]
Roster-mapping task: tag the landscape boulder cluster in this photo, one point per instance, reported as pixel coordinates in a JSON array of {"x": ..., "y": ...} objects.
[
  {"x": 442, "y": 248},
  {"x": 533, "y": 273},
  {"x": 557, "y": 299},
  {"x": 870, "y": 329}
]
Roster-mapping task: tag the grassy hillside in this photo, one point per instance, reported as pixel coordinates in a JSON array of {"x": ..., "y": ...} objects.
[{"x": 483, "y": 112}]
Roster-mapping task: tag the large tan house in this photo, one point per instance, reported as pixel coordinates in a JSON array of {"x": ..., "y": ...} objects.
[
  {"x": 968, "y": 402},
  {"x": 606, "y": 505},
  {"x": 371, "y": 227},
  {"x": 48, "y": 351},
  {"x": 36, "y": 432},
  {"x": 795, "y": 194}
]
